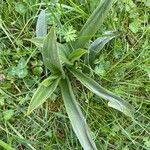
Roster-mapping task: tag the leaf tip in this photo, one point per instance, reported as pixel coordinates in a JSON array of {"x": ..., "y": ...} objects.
[{"x": 125, "y": 109}]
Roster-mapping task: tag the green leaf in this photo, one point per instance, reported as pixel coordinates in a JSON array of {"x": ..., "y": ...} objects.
[
  {"x": 114, "y": 101},
  {"x": 41, "y": 26},
  {"x": 93, "y": 23},
  {"x": 50, "y": 53},
  {"x": 5, "y": 146},
  {"x": 135, "y": 26},
  {"x": 76, "y": 117},
  {"x": 8, "y": 114},
  {"x": 37, "y": 71},
  {"x": 21, "y": 69},
  {"x": 97, "y": 46},
  {"x": 44, "y": 91},
  {"x": 76, "y": 54},
  {"x": 38, "y": 41},
  {"x": 64, "y": 52},
  {"x": 22, "y": 73},
  {"x": 21, "y": 8}
]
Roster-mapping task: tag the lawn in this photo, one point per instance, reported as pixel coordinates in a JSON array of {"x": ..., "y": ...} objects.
[{"x": 122, "y": 66}]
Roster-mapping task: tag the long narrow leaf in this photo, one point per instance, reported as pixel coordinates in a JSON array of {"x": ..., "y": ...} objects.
[
  {"x": 97, "y": 46},
  {"x": 5, "y": 146},
  {"x": 93, "y": 23},
  {"x": 76, "y": 54},
  {"x": 50, "y": 53},
  {"x": 76, "y": 117},
  {"x": 114, "y": 101},
  {"x": 38, "y": 41},
  {"x": 44, "y": 91},
  {"x": 41, "y": 26}
]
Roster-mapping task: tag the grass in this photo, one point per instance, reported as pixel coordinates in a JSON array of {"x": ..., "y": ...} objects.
[{"x": 123, "y": 67}]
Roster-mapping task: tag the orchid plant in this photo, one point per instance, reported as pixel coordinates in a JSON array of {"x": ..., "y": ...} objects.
[{"x": 60, "y": 60}]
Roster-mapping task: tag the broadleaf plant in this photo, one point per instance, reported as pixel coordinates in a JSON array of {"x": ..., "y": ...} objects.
[{"x": 61, "y": 62}]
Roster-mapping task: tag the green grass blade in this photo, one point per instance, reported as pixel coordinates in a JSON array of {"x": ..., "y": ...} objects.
[
  {"x": 50, "y": 53},
  {"x": 44, "y": 91},
  {"x": 93, "y": 24},
  {"x": 5, "y": 146},
  {"x": 114, "y": 101},
  {"x": 76, "y": 117},
  {"x": 41, "y": 26}
]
